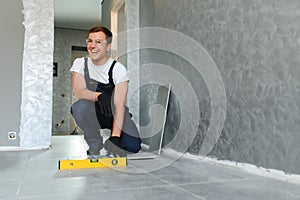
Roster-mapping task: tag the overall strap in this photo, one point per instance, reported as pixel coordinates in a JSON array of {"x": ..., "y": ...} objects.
[
  {"x": 110, "y": 79},
  {"x": 110, "y": 73},
  {"x": 86, "y": 69}
]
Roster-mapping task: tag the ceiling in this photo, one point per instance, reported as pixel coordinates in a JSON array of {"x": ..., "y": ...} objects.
[{"x": 77, "y": 14}]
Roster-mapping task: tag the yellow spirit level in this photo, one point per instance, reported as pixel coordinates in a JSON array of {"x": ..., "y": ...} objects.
[{"x": 92, "y": 163}]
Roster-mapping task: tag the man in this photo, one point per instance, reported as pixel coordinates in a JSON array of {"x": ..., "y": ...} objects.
[{"x": 101, "y": 86}]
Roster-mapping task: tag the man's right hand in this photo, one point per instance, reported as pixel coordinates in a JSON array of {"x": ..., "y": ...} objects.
[{"x": 113, "y": 146}]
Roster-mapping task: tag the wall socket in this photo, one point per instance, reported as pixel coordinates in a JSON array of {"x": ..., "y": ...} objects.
[{"x": 12, "y": 135}]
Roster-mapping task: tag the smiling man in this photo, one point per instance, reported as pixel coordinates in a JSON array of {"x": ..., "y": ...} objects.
[{"x": 101, "y": 84}]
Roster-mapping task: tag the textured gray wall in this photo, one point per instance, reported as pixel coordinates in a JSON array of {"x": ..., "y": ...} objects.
[
  {"x": 256, "y": 47},
  {"x": 64, "y": 39},
  {"x": 12, "y": 43}
]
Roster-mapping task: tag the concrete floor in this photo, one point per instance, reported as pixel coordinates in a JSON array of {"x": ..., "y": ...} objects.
[{"x": 34, "y": 175}]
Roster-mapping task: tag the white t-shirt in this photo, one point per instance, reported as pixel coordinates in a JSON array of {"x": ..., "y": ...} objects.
[{"x": 100, "y": 73}]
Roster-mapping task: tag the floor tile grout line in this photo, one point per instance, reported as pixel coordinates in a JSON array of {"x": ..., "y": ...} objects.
[
  {"x": 223, "y": 181},
  {"x": 195, "y": 183},
  {"x": 176, "y": 186},
  {"x": 136, "y": 188},
  {"x": 22, "y": 179},
  {"x": 193, "y": 194},
  {"x": 108, "y": 190}
]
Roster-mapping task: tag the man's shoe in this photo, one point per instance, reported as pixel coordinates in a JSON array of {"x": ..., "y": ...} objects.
[{"x": 93, "y": 155}]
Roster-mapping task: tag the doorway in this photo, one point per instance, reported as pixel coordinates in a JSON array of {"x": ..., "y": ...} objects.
[
  {"x": 72, "y": 20},
  {"x": 118, "y": 28},
  {"x": 77, "y": 52}
]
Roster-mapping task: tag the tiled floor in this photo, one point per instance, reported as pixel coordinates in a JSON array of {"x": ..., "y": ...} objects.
[{"x": 34, "y": 175}]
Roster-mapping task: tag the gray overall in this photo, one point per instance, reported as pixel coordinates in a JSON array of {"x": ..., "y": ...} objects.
[{"x": 88, "y": 117}]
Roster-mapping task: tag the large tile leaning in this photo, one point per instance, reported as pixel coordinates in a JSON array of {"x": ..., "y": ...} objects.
[{"x": 158, "y": 121}]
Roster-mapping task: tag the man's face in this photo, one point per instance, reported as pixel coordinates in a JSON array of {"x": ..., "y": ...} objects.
[{"x": 97, "y": 46}]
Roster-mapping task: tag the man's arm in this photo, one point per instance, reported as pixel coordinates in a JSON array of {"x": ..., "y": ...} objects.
[
  {"x": 80, "y": 89},
  {"x": 120, "y": 96}
]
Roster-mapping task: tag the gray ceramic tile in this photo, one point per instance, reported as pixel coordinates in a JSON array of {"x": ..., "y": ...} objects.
[
  {"x": 95, "y": 180},
  {"x": 157, "y": 193},
  {"x": 260, "y": 189},
  {"x": 184, "y": 171}
]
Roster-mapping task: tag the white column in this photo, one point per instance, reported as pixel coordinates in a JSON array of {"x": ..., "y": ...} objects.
[{"x": 37, "y": 74}]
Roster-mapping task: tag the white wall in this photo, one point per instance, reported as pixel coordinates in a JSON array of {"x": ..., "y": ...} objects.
[{"x": 11, "y": 40}]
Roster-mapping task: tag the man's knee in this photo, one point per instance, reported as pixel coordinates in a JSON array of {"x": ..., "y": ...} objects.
[
  {"x": 131, "y": 144},
  {"x": 80, "y": 108},
  {"x": 134, "y": 149}
]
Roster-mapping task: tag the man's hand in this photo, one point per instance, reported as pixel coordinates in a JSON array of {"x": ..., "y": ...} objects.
[
  {"x": 113, "y": 146},
  {"x": 104, "y": 101}
]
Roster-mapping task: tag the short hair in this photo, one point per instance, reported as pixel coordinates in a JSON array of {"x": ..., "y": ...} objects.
[{"x": 103, "y": 29}]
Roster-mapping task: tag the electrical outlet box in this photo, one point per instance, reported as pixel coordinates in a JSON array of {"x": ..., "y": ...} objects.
[{"x": 12, "y": 135}]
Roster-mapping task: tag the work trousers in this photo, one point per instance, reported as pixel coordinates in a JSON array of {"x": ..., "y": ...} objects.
[{"x": 85, "y": 117}]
